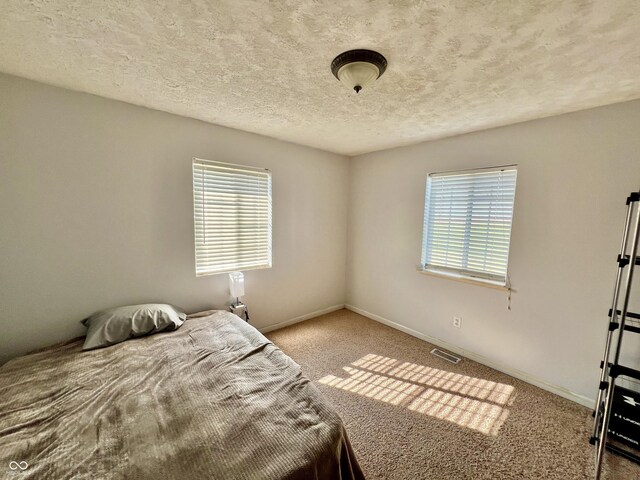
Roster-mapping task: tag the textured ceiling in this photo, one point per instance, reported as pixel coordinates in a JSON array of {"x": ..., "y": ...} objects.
[{"x": 454, "y": 66}]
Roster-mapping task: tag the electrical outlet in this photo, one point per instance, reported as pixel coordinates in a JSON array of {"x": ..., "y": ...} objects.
[{"x": 457, "y": 322}]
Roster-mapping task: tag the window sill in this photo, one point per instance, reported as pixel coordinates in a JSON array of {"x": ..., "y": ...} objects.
[{"x": 463, "y": 279}]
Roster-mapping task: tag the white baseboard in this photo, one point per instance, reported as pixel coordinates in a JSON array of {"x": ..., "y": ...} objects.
[
  {"x": 533, "y": 380},
  {"x": 302, "y": 318}
]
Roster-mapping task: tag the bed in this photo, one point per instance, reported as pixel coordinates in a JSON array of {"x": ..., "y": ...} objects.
[{"x": 214, "y": 399}]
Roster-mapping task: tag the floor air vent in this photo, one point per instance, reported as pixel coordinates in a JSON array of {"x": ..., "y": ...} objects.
[{"x": 445, "y": 355}]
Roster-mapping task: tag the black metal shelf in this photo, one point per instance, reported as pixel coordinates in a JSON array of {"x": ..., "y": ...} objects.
[
  {"x": 629, "y": 314},
  {"x": 623, "y": 452},
  {"x": 627, "y": 327},
  {"x": 623, "y": 261},
  {"x": 621, "y": 370},
  {"x": 613, "y": 416}
]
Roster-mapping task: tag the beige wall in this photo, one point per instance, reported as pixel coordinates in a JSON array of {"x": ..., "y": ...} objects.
[
  {"x": 574, "y": 173},
  {"x": 96, "y": 211}
]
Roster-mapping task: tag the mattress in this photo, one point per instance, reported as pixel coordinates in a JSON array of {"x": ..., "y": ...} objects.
[{"x": 213, "y": 400}]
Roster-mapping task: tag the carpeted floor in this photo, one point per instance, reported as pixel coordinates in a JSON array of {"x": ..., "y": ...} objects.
[{"x": 411, "y": 415}]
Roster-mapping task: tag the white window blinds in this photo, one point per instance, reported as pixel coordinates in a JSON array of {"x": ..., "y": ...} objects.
[
  {"x": 232, "y": 217},
  {"x": 467, "y": 222}
]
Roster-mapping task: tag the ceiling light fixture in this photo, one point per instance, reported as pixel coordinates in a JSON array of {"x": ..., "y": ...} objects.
[{"x": 358, "y": 68}]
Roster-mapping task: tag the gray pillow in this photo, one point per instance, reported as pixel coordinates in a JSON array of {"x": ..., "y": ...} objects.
[{"x": 116, "y": 325}]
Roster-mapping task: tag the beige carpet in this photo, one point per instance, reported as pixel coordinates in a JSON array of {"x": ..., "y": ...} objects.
[{"x": 411, "y": 415}]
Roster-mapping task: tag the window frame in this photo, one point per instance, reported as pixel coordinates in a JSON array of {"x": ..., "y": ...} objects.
[
  {"x": 268, "y": 263},
  {"x": 464, "y": 274}
]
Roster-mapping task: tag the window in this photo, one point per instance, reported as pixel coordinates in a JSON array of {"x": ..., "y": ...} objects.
[
  {"x": 232, "y": 217},
  {"x": 467, "y": 223}
]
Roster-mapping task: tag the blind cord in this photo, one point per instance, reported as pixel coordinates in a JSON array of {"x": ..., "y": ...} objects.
[{"x": 204, "y": 222}]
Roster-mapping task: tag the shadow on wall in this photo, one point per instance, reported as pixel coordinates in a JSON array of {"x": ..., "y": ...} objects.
[{"x": 469, "y": 402}]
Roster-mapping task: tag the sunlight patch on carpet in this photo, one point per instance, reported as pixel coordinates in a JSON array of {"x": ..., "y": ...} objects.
[{"x": 470, "y": 402}]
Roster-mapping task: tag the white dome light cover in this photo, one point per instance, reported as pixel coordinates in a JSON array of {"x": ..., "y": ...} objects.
[
  {"x": 358, "y": 74},
  {"x": 358, "y": 68}
]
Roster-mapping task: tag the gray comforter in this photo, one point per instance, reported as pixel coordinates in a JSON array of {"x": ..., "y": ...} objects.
[{"x": 212, "y": 400}]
